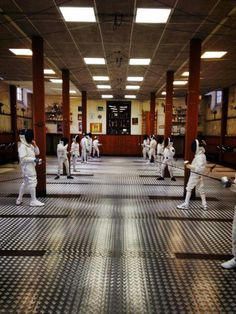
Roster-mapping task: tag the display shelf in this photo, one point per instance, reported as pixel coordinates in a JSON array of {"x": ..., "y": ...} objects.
[
  {"x": 22, "y": 117},
  {"x": 4, "y": 114}
]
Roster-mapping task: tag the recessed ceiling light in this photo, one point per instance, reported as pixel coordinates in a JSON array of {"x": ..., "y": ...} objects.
[
  {"x": 104, "y": 86},
  {"x": 101, "y": 78},
  {"x": 152, "y": 15},
  {"x": 132, "y": 87},
  {"x": 135, "y": 78},
  {"x": 56, "y": 80},
  {"x": 163, "y": 93},
  {"x": 21, "y": 52},
  {"x": 72, "y": 91},
  {"x": 180, "y": 82},
  {"x": 48, "y": 71},
  {"x": 136, "y": 61},
  {"x": 107, "y": 96},
  {"x": 94, "y": 60},
  {"x": 76, "y": 14},
  {"x": 185, "y": 73},
  {"x": 130, "y": 96},
  {"x": 213, "y": 54}
]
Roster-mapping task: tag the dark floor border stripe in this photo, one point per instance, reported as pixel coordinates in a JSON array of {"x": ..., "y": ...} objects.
[
  {"x": 155, "y": 176},
  {"x": 14, "y": 179},
  {"x": 73, "y": 175},
  {"x": 32, "y": 216},
  {"x": 76, "y": 183},
  {"x": 22, "y": 252},
  {"x": 47, "y": 196},
  {"x": 149, "y": 184},
  {"x": 170, "y": 198},
  {"x": 195, "y": 219},
  {"x": 204, "y": 256}
]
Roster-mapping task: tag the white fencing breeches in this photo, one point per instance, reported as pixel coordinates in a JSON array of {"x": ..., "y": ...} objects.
[
  {"x": 234, "y": 234},
  {"x": 145, "y": 152},
  {"x": 169, "y": 163},
  {"x": 96, "y": 150},
  {"x": 62, "y": 161},
  {"x": 196, "y": 180},
  {"x": 84, "y": 155}
]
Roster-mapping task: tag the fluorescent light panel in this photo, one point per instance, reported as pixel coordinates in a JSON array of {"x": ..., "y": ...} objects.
[
  {"x": 48, "y": 71},
  {"x": 213, "y": 54},
  {"x": 107, "y": 96},
  {"x": 136, "y": 61},
  {"x": 132, "y": 87},
  {"x": 163, "y": 93},
  {"x": 101, "y": 78},
  {"x": 185, "y": 73},
  {"x": 130, "y": 96},
  {"x": 152, "y": 15},
  {"x": 56, "y": 81},
  {"x": 104, "y": 86},
  {"x": 135, "y": 78},
  {"x": 94, "y": 60},
  {"x": 78, "y": 14},
  {"x": 180, "y": 82},
  {"x": 21, "y": 52}
]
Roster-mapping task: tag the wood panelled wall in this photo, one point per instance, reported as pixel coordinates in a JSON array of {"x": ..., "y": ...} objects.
[
  {"x": 214, "y": 154},
  {"x": 112, "y": 145}
]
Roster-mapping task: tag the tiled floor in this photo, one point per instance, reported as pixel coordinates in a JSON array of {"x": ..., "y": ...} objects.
[{"x": 112, "y": 241}]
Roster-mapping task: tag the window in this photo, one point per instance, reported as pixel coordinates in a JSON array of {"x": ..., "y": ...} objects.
[
  {"x": 118, "y": 117},
  {"x": 218, "y": 97},
  {"x": 19, "y": 93}
]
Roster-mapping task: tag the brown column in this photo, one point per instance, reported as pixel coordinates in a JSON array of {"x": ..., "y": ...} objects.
[
  {"x": 152, "y": 113},
  {"x": 225, "y": 103},
  {"x": 39, "y": 110},
  {"x": 192, "y": 101},
  {"x": 169, "y": 103},
  {"x": 13, "y": 103},
  {"x": 84, "y": 111},
  {"x": 66, "y": 103}
]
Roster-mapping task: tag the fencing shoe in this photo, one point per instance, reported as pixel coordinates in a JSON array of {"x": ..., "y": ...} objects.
[
  {"x": 229, "y": 264},
  {"x": 205, "y": 207},
  {"x": 70, "y": 177},
  {"x": 35, "y": 203},
  {"x": 57, "y": 177},
  {"x": 173, "y": 179},
  {"x": 160, "y": 178},
  {"x": 18, "y": 201},
  {"x": 183, "y": 206}
]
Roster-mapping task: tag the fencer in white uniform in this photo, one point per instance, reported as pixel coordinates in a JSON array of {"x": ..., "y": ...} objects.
[
  {"x": 230, "y": 264},
  {"x": 197, "y": 167},
  {"x": 84, "y": 144},
  {"x": 62, "y": 158},
  {"x": 168, "y": 159},
  {"x": 90, "y": 144},
  {"x": 145, "y": 146},
  {"x": 160, "y": 153},
  {"x": 152, "y": 149},
  {"x": 74, "y": 150},
  {"x": 27, "y": 151},
  {"x": 96, "y": 145}
]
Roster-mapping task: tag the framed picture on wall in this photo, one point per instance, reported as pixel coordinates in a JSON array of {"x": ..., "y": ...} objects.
[
  {"x": 79, "y": 116},
  {"x": 95, "y": 127},
  {"x": 134, "y": 121},
  {"x": 100, "y": 108},
  {"x": 59, "y": 127},
  {"x": 80, "y": 108},
  {"x": 80, "y": 126}
]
